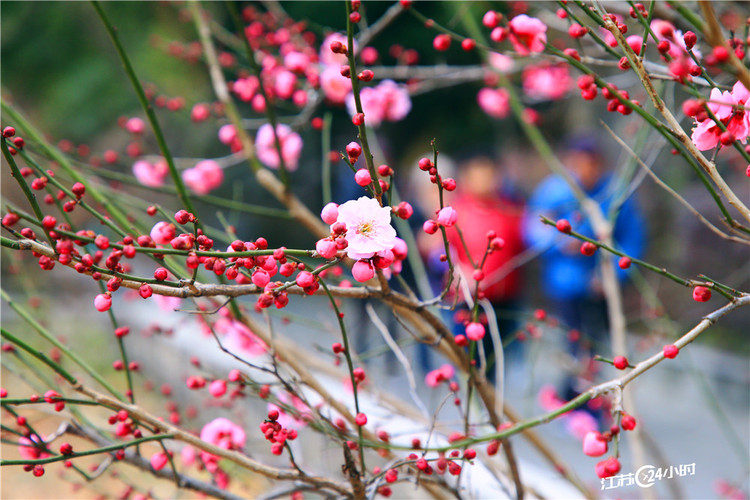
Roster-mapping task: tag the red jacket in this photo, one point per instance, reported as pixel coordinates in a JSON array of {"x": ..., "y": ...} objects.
[{"x": 475, "y": 218}]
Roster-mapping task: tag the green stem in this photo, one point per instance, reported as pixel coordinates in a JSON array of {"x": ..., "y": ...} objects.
[
  {"x": 181, "y": 190},
  {"x": 39, "y": 355},
  {"x": 30, "y": 196},
  {"x": 96, "y": 451},
  {"x": 62, "y": 347},
  {"x": 35, "y": 136},
  {"x": 350, "y": 366},
  {"x": 358, "y": 103}
]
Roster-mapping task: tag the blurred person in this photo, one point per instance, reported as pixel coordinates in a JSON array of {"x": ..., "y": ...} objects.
[
  {"x": 569, "y": 279},
  {"x": 484, "y": 203}
]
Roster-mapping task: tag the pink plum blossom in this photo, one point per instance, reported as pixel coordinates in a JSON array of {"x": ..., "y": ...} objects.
[
  {"x": 135, "y": 126},
  {"x": 546, "y": 81},
  {"x": 187, "y": 454},
  {"x": 580, "y": 422},
  {"x": 501, "y": 62},
  {"x": 388, "y": 101},
  {"x": 223, "y": 433},
  {"x": 447, "y": 216},
  {"x": 28, "y": 449},
  {"x": 159, "y": 460},
  {"x": 527, "y": 34},
  {"x": 363, "y": 271},
  {"x": 326, "y": 248},
  {"x": 330, "y": 213},
  {"x": 442, "y": 374},
  {"x": 163, "y": 232},
  {"x": 665, "y": 30},
  {"x": 284, "y": 83},
  {"x": 150, "y": 174},
  {"x": 475, "y": 331},
  {"x": 102, "y": 302},
  {"x": 227, "y": 134},
  {"x": 291, "y": 146},
  {"x": 206, "y": 176},
  {"x": 548, "y": 398},
  {"x": 594, "y": 445},
  {"x": 327, "y": 57},
  {"x": 368, "y": 227},
  {"x": 287, "y": 420},
  {"x": 246, "y": 88},
  {"x": 296, "y": 61},
  {"x": 239, "y": 337},
  {"x": 729, "y": 108},
  {"x": 494, "y": 102},
  {"x": 335, "y": 87}
]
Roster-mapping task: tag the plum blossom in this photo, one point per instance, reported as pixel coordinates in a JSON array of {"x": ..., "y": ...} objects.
[
  {"x": 150, "y": 174},
  {"x": 227, "y": 134},
  {"x": 296, "y": 61},
  {"x": 368, "y": 227},
  {"x": 527, "y": 34},
  {"x": 388, "y": 101},
  {"x": 291, "y": 146},
  {"x": 594, "y": 445},
  {"x": 30, "y": 449},
  {"x": 163, "y": 232},
  {"x": 729, "y": 108},
  {"x": 246, "y": 88},
  {"x": 664, "y": 30},
  {"x": 284, "y": 83},
  {"x": 494, "y": 102},
  {"x": 223, "y": 433},
  {"x": 334, "y": 86},
  {"x": 501, "y": 62},
  {"x": 363, "y": 271},
  {"x": 291, "y": 421},
  {"x": 206, "y": 176},
  {"x": 546, "y": 81},
  {"x": 579, "y": 422},
  {"x": 442, "y": 374},
  {"x": 239, "y": 337},
  {"x": 327, "y": 57}
]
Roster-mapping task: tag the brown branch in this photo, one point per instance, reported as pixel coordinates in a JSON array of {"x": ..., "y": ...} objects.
[
  {"x": 674, "y": 125},
  {"x": 234, "y": 456},
  {"x": 715, "y": 38}
]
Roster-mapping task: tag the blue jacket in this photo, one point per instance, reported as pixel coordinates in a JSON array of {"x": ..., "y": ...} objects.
[{"x": 566, "y": 273}]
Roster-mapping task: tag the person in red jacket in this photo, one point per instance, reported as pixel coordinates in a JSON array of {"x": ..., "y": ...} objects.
[{"x": 482, "y": 208}]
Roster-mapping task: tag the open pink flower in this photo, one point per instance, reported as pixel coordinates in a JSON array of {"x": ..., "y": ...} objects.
[
  {"x": 494, "y": 102},
  {"x": 388, "y": 101},
  {"x": 527, "y": 34},
  {"x": 728, "y": 107},
  {"x": 150, "y": 174},
  {"x": 546, "y": 81},
  {"x": 223, "y": 433},
  {"x": 368, "y": 227},
  {"x": 335, "y": 87},
  {"x": 291, "y": 146},
  {"x": 206, "y": 176}
]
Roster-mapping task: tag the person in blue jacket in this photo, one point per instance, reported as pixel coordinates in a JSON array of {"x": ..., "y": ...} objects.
[{"x": 570, "y": 279}]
